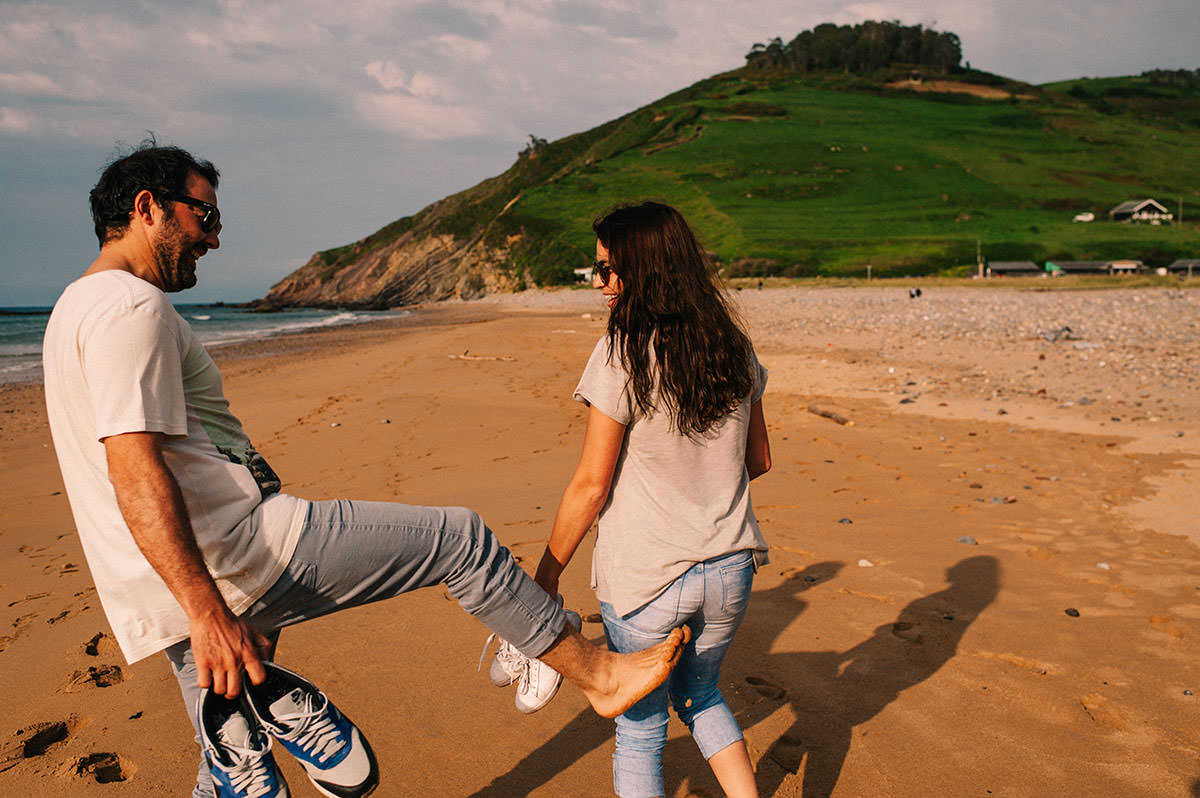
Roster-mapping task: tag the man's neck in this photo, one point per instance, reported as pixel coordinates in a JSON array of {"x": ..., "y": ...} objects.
[{"x": 122, "y": 256}]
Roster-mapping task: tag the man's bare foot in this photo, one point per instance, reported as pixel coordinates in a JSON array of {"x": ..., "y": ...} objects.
[{"x": 615, "y": 682}]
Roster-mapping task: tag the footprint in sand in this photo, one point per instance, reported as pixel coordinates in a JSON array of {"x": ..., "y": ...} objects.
[
  {"x": 61, "y": 570},
  {"x": 99, "y": 644},
  {"x": 27, "y": 599},
  {"x": 907, "y": 631},
  {"x": 788, "y": 752},
  {"x": 34, "y": 741},
  {"x": 94, "y": 676},
  {"x": 767, "y": 689},
  {"x": 22, "y": 623},
  {"x": 104, "y": 768}
]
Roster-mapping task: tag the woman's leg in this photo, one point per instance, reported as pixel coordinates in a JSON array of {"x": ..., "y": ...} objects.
[
  {"x": 694, "y": 689},
  {"x": 642, "y": 729},
  {"x": 731, "y": 765}
]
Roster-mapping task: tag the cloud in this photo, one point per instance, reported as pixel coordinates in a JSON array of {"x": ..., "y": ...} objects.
[
  {"x": 462, "y": 48},
  {"x": 30, "y": 84},
  {"x": 443, "y": 92},
  {"x": 418, "y": 117},
  {"x": 422, "y": 84},
  {"x": 14, "y": 121},
  {"x": 632, "y": 21},
  {"x": 451, "y": 19},
  {"x": 387, "y": 75}
]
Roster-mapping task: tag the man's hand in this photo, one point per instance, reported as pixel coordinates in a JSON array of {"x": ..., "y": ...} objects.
[
  {"x": 153, "y": 509},
  {"x": 223, "y": 646}
]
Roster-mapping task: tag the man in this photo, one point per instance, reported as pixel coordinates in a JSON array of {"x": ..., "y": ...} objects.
[{"x": 192, "y": 547}]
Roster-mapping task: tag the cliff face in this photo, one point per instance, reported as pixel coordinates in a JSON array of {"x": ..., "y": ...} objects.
[
  {"x": 479, "y": 240},
  {"x": 417, "y": 267}
]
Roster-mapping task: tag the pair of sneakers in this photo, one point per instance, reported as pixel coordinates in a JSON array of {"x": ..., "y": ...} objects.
[
  {"x": 537, "y": 682},
  {"x": 237, "y": 736}
]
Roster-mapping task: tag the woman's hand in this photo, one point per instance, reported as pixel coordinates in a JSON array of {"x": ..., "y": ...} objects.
[{"x": 548, "y": 571}]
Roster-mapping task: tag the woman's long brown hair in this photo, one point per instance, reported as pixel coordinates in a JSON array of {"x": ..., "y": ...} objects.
[{"x": 669, "y": 300}]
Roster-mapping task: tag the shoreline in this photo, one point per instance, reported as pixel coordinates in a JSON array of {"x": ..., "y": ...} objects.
[{"x": 911, "y": 613}]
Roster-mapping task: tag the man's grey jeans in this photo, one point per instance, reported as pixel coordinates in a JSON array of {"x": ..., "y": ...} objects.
[{"x": 353, "y": 553}]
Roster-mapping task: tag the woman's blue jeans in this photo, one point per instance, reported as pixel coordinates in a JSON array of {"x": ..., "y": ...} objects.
[{"x": 711, "y": 598}]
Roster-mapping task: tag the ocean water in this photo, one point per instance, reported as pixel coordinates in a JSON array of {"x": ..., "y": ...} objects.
[{"x": 21, "y": 330}]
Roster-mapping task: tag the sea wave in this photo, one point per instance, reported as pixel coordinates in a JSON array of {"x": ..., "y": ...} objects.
[{"x": 215, "y": 326}]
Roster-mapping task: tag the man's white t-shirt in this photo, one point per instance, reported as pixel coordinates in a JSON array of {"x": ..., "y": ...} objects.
[{"x": 118, "y": 358}]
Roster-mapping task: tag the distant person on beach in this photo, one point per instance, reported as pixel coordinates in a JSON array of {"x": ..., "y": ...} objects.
[
  {"x": 675, "y": 432},
  {"x": 193, "y": 548}
]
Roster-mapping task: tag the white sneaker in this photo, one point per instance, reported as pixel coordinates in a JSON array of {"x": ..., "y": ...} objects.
[
  {"x": 537, "y": 682},
  {"x": 507, "y": 664}
]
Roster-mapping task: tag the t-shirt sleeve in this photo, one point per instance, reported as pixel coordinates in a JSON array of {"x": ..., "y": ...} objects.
[
  {"x": 604, "y": 385},
  {"x": 760, "y": 381},
  {"x": 133, "y": 366}
]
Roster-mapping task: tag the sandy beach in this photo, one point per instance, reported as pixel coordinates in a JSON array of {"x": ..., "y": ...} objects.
[{"x": 984, "y": 577}]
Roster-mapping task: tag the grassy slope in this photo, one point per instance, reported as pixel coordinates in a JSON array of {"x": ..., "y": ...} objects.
[
  {"x": 905, "y": 182},
  {"x": 827, "y": 175}
]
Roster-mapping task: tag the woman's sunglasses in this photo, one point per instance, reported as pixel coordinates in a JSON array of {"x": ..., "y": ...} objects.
[
  {"x": 602, "y": 270},
  {"x": 212, "y": 216}
]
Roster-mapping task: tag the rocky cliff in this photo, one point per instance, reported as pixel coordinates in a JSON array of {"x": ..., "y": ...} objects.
[{"x": 479, "y": 240}]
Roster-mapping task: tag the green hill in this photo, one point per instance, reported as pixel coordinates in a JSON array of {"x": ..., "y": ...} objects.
[{"x": 794, "y": 174}]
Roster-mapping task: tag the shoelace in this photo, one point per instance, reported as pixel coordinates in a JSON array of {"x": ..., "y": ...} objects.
[
  {"x": 508, "y": 655},
  {"x": 312, "y": 729},
  {"x": 527, "y": 675},
  {"x": 249, "y": 773}
]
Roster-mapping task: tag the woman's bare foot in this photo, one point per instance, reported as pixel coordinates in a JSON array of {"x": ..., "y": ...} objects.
[{"x": 614, "y": 682}]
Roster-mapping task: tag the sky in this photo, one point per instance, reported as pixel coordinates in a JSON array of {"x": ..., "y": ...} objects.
[{"x": 331, "y": 119}]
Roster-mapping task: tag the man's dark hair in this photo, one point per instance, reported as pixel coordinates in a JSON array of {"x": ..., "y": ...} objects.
[{"x": 159, "y": 170}]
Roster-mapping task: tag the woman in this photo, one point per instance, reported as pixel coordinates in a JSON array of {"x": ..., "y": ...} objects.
[{"x": 675, "y": 433}]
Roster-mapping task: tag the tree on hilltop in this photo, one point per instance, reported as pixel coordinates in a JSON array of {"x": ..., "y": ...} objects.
[{"x": 858, "y": 49}]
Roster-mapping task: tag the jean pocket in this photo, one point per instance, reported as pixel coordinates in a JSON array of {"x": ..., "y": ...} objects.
[{"x": 737, "y": 577}]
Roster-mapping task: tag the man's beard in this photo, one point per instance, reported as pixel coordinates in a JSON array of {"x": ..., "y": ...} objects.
[{"x": 175, "y": 261}]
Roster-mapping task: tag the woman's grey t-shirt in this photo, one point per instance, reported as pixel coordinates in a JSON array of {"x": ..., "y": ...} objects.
[{"x": 675, "y": 501}]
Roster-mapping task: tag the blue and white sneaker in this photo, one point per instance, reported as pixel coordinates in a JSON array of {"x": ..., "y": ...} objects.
[
  {"x": 334, "y": 753},
  {"x": 238, "y": 753}
]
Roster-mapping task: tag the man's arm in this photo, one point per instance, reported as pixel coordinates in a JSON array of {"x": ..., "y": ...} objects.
[{"x": 153, "y": 508}]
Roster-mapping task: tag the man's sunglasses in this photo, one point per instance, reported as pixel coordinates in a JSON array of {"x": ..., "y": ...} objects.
[
  {"x": 212, "y": 216},
  {"x": 602, "y": 269}
]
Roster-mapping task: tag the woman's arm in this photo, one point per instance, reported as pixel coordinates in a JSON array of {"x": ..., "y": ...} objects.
[
  {"x": 585, "y": 495},
  {"x": 758, "y": 448}
]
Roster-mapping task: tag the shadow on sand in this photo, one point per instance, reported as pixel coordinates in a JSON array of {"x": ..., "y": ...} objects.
[
  {"x": 833, "y": 692},
  {"x": 829, "y": 692}
]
